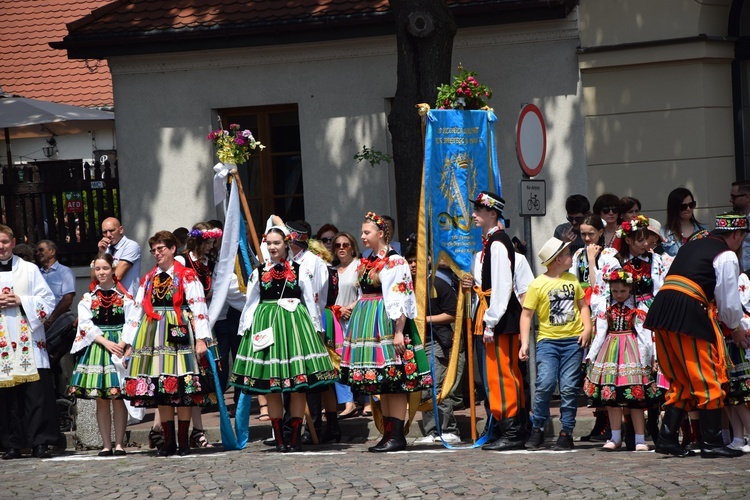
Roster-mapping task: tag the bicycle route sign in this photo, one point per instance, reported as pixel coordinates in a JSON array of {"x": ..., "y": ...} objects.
[{"x": 532, "y": 199}]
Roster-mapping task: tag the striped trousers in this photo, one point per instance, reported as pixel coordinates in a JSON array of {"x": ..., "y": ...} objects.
[
  {"x": 504, "y": 378},
  {"x": 691, "y": 367}
]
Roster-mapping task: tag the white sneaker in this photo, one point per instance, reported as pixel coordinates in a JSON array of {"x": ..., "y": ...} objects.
[
  {"x": 735, "y": 446},
  {"x": 449, "y": 438},
  {"x": 426, "y": 440}
]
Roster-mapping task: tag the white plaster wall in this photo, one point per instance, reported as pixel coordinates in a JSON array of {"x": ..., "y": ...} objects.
[{"x": 166, "y": 106}]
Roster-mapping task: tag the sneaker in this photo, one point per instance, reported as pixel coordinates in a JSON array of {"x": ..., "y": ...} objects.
[
  {"x": 449, "y": 438},
  {"x": 429, "y": 439},
  {"x": 536, "y": 439},
  {"x": 735, "y": 446},
  {"x": 564, "y": 442}
]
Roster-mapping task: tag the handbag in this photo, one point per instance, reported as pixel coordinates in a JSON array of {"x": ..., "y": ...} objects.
[
  {"x": 264, "y": 338},
  {"x": 178, "y": 334}
]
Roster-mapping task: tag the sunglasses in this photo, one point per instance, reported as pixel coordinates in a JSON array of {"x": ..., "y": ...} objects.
[
  {"x": 575, "y": 220},
  {"x": 158, "y": 249},
  {"x": 342, "y": 245},
  {"x": 610, "y": 210},
  {"x": 326, "y": 240},
  {"x": 685, "y": 206}
]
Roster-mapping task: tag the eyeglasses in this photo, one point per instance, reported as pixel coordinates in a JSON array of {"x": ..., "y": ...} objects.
[
  {"x": 342, "y": 245},
  {"x": 733, "y": 197},
  {"x": 326, "y": 240},
  {"x": 158, "y": 249},
  {"x": 685, "y": 206},
  {"x": 610, "y": 210},
  {"x": 575, "y": 220}
]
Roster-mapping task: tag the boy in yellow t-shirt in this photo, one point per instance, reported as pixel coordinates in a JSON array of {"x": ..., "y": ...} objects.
[{"x": 564, "y": 330}]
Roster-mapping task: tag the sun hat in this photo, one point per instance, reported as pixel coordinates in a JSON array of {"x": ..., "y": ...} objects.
[{"x": 551, "y": 249}]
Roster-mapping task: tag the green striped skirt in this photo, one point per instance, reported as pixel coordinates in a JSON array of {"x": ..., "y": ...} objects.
[
  {"x": 95, "y": 376},
  {"x": 296, "y": 361},
  {"x": 161, "y": 373},
  {"x": 370, "y": 364}
]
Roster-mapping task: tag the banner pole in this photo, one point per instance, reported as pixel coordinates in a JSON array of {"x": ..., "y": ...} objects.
[
  {"x": 470, "y": 367},
  {"x": 246, "y": 211}
]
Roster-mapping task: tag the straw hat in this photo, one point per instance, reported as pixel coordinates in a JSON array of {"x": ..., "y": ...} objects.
[{"x": 551, "y": 249}]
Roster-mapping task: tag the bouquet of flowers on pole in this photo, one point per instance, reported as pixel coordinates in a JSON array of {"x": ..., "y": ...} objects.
[
  {"x": 464, "y": 93},
  {"x": 234, "y": 146}
]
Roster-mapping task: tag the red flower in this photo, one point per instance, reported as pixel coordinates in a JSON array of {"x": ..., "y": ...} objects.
[
  {"x": 410, "y": 368},
  {"x": 130, "y": 385},
  {"x": 637, "y": 392},
  {"x": 170, "y": 385},
  {"x": 607, "y": 393},
  {"x": 118, "y": 301},
  {"x": 42, "y": 314},
  {"x": 357, "y": 376},
  {"x": 402, "y": 287},
  {"x": 95, "y": 304},
  {"x": 370, "y": 375},
  {"x": 408, "y": 355}
]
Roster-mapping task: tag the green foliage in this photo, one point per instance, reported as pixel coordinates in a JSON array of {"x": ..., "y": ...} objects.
[
  {"x": 465, "y": 92},
  {"x": 373, "y": 156}
]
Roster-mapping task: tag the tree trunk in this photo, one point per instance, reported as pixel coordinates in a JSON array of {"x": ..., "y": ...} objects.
[{"x": 424, "y": 35}]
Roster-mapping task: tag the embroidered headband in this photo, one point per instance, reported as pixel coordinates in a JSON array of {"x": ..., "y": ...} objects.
[
  {"x": 297, "y": 233},
  {"x": 731, "y": 221},
  {"x": 375, "y": 219},
  {"x": 206, "y": 233},
  {"x": 490, "y": 200},
  {"x": 283, "y": 229},
  {"x": 631, "y": 226},
  {"x": 618, "y": 275}
]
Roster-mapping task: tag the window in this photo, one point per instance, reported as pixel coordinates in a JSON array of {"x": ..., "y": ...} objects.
[{"x": 272, "y": 178}]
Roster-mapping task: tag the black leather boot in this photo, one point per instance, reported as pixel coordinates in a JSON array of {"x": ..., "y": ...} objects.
[
  {"x": 512, "y": 434},
  {"x": 601, "y": 430},
  {"x": 170, "y": 443},
  {"x": 669, "y": 435},
  {"x": 332, "y": 432},
  {"x": 712, "y": 444},
  {"x": 652, "y": 424},
  {"x": 295, "y": 444},
  {"x": 397, "y": 440},
  {"x": 629, "y": 437},
  {"x": 183, "y": 437},
  {"x": 278, "y": 435},
  {"x": 387, "y": 430}
]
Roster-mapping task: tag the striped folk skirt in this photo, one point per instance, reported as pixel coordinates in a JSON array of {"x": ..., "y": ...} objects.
[
  {"x": 739, "y": 375},
  {"x": 296, "y": 361},
  {"x": 369, "y": 362},
  {"x": 95, "y": 376},
  {"x": 617, "y": 378},
  {"x": 162, "y": 373}
]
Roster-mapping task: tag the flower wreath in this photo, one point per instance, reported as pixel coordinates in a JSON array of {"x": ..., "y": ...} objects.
[
  {"x": 206, "y": 233},
  {"x": 375, "y": 219},
  {"x": 618, "y": 275},
  {"x": 631, "y": 226}
]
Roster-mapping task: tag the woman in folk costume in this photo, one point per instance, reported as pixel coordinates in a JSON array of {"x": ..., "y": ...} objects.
[
  {"x": 281, "y": 350},
  {"x": 169, "y": 334},
  {"x": 101, "y": 316},
  {"x": 619, "y": 373},
  {"x": 383, "y": 353}
]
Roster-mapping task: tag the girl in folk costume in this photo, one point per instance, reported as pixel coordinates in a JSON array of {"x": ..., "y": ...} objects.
[
  {"x": 281, "y": 350},
  {"x": 383, "y": 353},
  {"x": 199, "y": 256},
  {"x": 619, "y": 372},
  {"x": 738, "y": 395},
  {"x": 101, "y": 316},
  {"x": 587, "y": 264},
  {"x": 169, "y": 334}
]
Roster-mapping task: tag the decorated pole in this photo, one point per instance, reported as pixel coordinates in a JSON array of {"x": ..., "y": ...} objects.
[{"x": 246, "y": 211}]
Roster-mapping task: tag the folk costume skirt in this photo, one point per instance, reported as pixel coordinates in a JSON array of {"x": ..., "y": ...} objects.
[
  {"x": 739, "y": 375},
  {"x": 165, "y": 373},
  {"x": 617, "y": 378},
  {"x": 296, "y": 361},
  {"x": 369, "y": 362},
  {"x": 95, "y": 376}
]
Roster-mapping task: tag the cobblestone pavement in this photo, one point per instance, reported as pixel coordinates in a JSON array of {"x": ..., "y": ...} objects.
[{"x": 349, "y": 471}]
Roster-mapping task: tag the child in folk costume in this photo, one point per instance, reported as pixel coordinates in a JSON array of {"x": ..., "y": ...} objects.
[
  {"x": 101, "y": 316},
  {"x": 281, "y": 350},
  {"x": 738, "y": 395},
  {"x": 619, "y": 372},
  {"x": 383, "y": 353}
]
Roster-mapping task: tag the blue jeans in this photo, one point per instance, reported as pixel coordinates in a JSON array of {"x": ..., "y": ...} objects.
[{"x": 557, "y": 361}]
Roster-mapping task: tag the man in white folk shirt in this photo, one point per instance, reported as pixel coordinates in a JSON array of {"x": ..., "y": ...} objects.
[{"x": 28, "y": 414}]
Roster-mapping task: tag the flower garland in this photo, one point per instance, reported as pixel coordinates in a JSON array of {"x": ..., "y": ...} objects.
[
  {"x": 618, "y": 275},
  {"x": 464, "y": 93},
  {"x": 234, "y": 146},
  {"x": 631, "y": 226},
  {"x": 375, "y": 219},
  {"x": 206, "y": 233}
]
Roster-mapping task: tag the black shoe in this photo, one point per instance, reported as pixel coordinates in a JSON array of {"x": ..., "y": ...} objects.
[
  {"x": 105, "y": 453},
  {"x": 41, "y": 451},
  {"x": 120, "y": 453},
  {"x": 712, "y": 444},
  {"x": 278, "y": 438},
  {"x": 504, "y": 444},
  {"x": 513, "y": 434},
  {"x": 397, "y": 440},
  {"x": 295, "y": 443},
  {"x": 536, "y": 439},
  {"x": 307, "y": 438},
  {"x": 387, "y": 430},
  {"x": 332, "y": 432},
  {"x": 669, "y": 435},
  {"x": 564, "y": 442},
  {"x": 11, "y": 454}
]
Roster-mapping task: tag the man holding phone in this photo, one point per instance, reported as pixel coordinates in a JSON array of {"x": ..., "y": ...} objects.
[{"x": 577, "y": 207}]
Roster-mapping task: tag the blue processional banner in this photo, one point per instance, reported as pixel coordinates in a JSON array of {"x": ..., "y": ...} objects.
[{"x": 460, "y": 161}]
